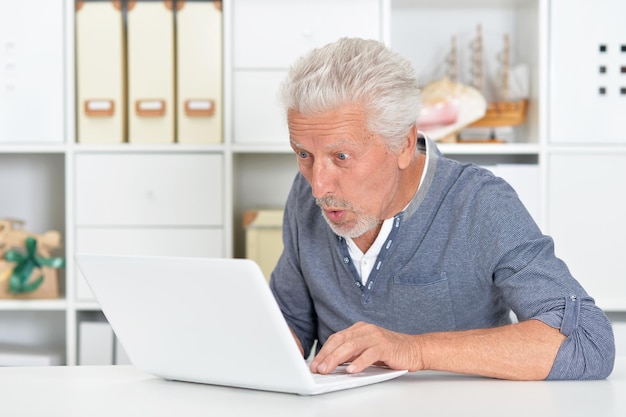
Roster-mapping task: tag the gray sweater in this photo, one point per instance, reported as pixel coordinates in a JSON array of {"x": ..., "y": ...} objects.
[{"x": 462, "y": 255}]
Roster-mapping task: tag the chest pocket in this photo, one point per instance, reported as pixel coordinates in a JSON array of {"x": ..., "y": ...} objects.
[{"x": 422, "y": 303}]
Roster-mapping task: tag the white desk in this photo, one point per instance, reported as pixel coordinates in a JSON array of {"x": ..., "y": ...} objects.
[{"x": 125, "y": 391}]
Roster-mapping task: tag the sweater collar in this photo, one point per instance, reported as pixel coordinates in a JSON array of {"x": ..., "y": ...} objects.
[{"x": 426, "y": 145}]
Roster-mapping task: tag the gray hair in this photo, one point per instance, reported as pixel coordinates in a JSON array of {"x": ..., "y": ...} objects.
[{"x": 359, "y": 72}]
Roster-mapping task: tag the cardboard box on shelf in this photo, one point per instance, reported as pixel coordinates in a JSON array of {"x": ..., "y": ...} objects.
[
  {"x": 264, "y": 242},
  {"x": 27, "y": 270}
]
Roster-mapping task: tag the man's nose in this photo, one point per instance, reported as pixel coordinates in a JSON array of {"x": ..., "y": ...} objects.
[{"x": 321, "y": 180}]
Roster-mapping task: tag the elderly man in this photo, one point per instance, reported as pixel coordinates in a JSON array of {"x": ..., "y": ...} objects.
[{"x": 396, "y": 255}]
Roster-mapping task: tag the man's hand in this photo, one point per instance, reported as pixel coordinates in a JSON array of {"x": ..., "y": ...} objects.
[
  {"x": 520, "y": 351},
  {"x": 365, "y": 344}
]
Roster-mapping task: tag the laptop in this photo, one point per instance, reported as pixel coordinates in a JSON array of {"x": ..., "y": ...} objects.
[{"x": 207, "y": 320}]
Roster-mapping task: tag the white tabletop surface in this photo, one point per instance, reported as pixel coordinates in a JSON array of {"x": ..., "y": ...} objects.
[{"x": 124, "y": 391}]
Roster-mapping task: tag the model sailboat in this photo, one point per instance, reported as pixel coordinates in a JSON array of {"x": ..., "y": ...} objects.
[
  {"x": 448, "y": 105},
  {"x": 506, "y": 109},
  {"x": 485, "y": 107}
]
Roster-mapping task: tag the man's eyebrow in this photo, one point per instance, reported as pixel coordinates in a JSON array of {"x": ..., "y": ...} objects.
[
  {"x": 295, "y": 144},
  {"x": 341, "y": 145}
]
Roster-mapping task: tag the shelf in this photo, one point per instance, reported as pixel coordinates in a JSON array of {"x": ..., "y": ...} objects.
[
  {"x": 459, "y": 3},
  {"x": 32, "y": 148},
  {"x": 263, "y": 148},
  {"x": 577, "y": 149},
  {"x": 61, "y": 148},
  {"x": 488, "y": 149},
  {"x": 33, "y": 305},
  {"x": 143, "y": 148}
]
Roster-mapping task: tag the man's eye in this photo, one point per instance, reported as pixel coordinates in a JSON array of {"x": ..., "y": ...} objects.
[
  {"x": 342, "y": 156},
  {"x": 303, "y": 154}
]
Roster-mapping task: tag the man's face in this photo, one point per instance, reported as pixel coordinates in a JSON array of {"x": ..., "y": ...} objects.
[{"x": 353, "y": 175}]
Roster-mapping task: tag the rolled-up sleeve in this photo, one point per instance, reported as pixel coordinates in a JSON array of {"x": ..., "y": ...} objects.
[{"x": 588, "y": 352}]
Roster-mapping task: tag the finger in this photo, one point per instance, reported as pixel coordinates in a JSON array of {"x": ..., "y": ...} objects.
[
  {"x": 367, "y": 358},
  {"x": 343, "y": 346},
  {"x": 337, "y": 352},
  {"x": 328, "y": 363},
  {"x": 331, "y": 343}
]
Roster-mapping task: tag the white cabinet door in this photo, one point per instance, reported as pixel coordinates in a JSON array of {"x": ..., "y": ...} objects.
[
  {"x": 273, "y": 33},
  {"x": 32, "y": 65},
  {"x": 258, "y": 116},
  {"x": 586, "y": 205},
  {"x": 587, "y": 71},
  {"x": 149, "y": 189}
]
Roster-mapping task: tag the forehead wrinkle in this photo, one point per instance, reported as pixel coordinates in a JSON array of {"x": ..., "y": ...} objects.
[
  {"x": 326, "y": 129},
  {"x": 337, "y": 129}
]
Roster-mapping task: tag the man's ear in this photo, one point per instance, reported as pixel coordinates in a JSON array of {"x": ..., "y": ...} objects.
[{"x": 407, "y": 151}]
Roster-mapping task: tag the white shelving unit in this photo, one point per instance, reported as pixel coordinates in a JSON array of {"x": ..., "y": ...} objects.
[
  {"x": 260, "y": 40},
  {"x": 587, "y": 145}
]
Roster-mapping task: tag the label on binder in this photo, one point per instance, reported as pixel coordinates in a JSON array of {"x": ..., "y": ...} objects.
[
  {"x": 150, "y": 107},
  {"x": 99, "y": 107},
  {"x": 199, "y": 107}
]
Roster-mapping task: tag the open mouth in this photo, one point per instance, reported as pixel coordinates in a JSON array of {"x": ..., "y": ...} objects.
[{"x": 334, "y": 215}]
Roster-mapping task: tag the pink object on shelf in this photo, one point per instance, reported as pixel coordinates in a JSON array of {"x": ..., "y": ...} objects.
[{"x": 438, "y": 114}]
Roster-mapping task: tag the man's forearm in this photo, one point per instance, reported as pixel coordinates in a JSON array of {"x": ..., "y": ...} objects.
[{"x": 521, "y": 351}]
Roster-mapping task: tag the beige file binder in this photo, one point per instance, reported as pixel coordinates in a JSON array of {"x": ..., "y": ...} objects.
[
  {"x": 199, "y": 71},
  {"x": 264, "y": 238},
  {"x": 150, "y": 71},
  {"x": 100, "y": 67}
]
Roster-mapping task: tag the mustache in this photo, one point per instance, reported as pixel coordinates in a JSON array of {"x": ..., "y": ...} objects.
[{"x": 333, "y": 202}]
